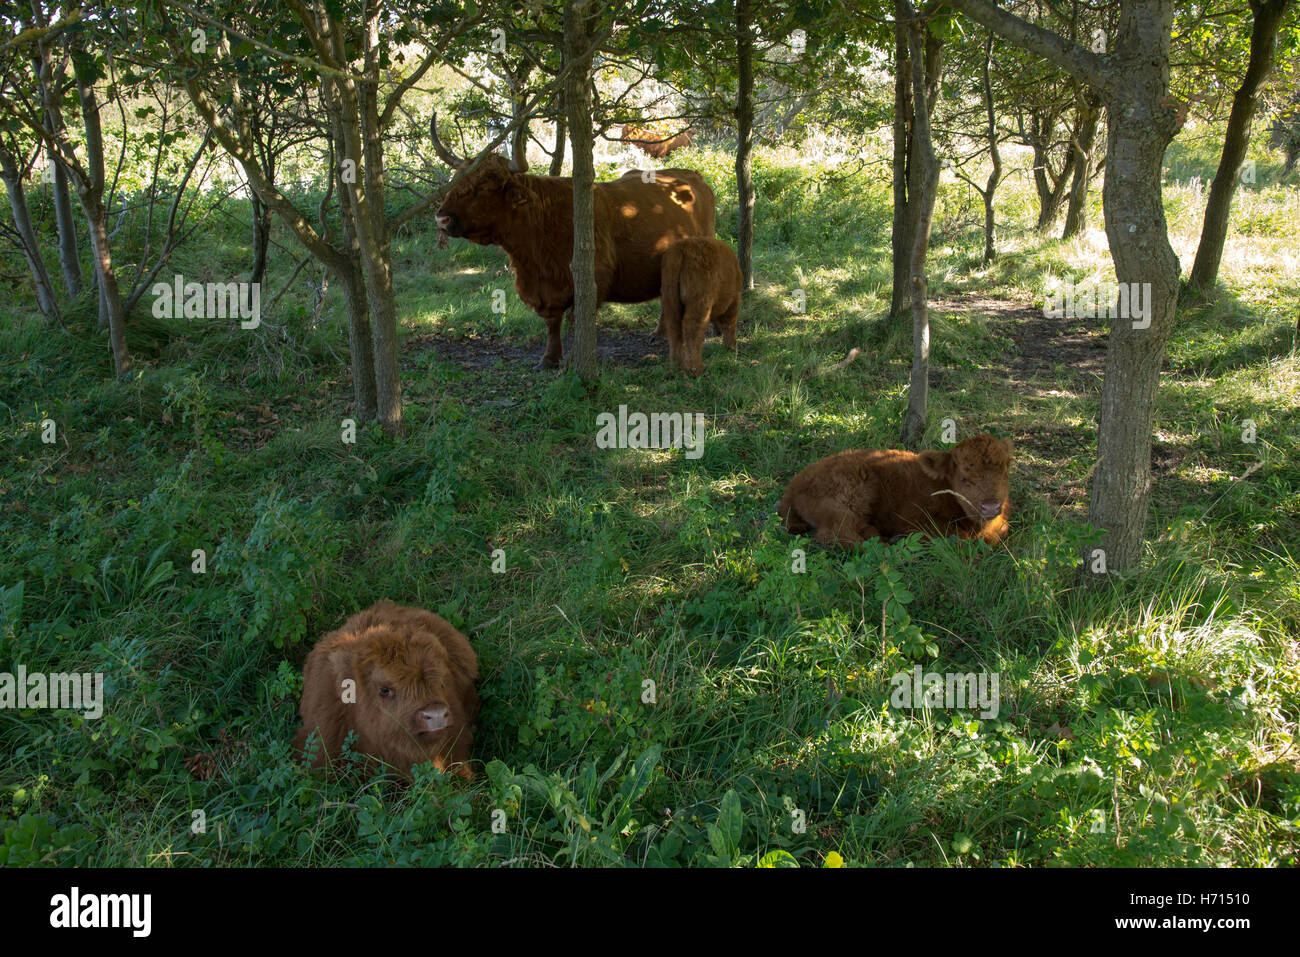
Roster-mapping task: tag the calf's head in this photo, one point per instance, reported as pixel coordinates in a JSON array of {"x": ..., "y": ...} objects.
[
  {"x": 977, "y": 470},
  {"x": 406, "y": 691}
]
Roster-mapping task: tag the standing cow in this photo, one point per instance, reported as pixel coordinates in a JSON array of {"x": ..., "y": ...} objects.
[
  {"x": 531, "y": 218},
  {"x": 651, "y": 143}
]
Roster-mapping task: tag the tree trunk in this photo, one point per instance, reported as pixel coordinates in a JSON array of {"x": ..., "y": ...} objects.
[
  {"x": 557, "y": 158},
  {"x": 925, "y": 63},
  {"x": 900, "y": 236},
  {"x": 47, "y": 80},
  {"x": 1141, "y": 126},
  {"x": 359, "y": 120},
  {"x": 1050, "y": 187},
  {"x": 1268, "y": 16},
  {"x": 1076, "y": 217},
  {"x": 69, "y": 257},
  {"x": 745, "y": 141},
  {"x": 261, "y": 237},
  {"x": 995, "y": 157},
  {"x": 91, "y": 194},
  {"x": 1133, "y": 80},
  {"x": 360, "y": 342},
  {"x": 12, "y": 175},
  {"x": 109, "y": 294},
  {"x": 577, "y": 98}
]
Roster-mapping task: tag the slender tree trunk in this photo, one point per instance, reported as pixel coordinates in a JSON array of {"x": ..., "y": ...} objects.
[
  {"x": 925, "y": 62},
  {"x": 557, "y": 158},
  {"x": 359, "y": 121},
  {"x": 110, "y": 296},
  {"x": 519, "y": 100},
  {"x": 360, "y": 342},
  {"x": 91, "y": 194},
  {"x": 69, "y": 257},
  {"x": 261, "y": 237},
  {"x": 1076, "y": 216},
  {"x": 1050, "y": 187},
  {"x": 577, "y": 98},
  {"x": 900, "y": 232},
  {"x": 745, "y": 141},
  {"x": 47, "y": 81},
  {"x": 12, "y": 175},
  {"x": 1268, "y": 15},
  {"x": 995, "y": 158}
]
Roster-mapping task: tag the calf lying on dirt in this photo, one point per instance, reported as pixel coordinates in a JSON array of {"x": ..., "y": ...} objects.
[
  {"x": 402, "y": 679},
  {"x": 700, "y": 283},
  {"x": 850, "y": 497}
]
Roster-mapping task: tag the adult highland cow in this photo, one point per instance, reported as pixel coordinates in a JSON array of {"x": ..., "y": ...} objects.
[{"x": 531, "y": 217}]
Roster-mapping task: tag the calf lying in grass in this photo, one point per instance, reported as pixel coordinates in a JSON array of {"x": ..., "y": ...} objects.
[
  {"x": 850, "y": 497},
  {"x": 402, "y": 679},
  {"x": 700, "y": 282}
]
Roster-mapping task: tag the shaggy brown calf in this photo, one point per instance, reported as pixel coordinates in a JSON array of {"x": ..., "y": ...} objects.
[
  {"x": 856, "y": 495},
  {"x": 701, "y": 284},
  {"x": 402, "y": 679}
]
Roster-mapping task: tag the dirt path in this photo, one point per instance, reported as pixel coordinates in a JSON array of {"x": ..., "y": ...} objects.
[
  {"x": 1047, "y": 348},
  {"x": 483, "y": 353}
]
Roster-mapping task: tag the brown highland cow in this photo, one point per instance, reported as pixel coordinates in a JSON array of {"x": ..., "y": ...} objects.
[
  {"x": 654, "y": 144},
  {"x": 701, "y": 284},
  {"x": 402, "y": 679},
  {"x": 501, "y": 204},
  {"x": 850, "y": 497}
]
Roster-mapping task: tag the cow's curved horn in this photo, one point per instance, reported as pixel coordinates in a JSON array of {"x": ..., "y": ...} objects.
[
  {"x": 439, "y": 147},
  {"x": 519, "y": 150}
]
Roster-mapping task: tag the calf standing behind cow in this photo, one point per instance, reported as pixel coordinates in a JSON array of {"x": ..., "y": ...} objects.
[
  {"x": 701, "y": 283},
  {"x": 531, "y": 218}
]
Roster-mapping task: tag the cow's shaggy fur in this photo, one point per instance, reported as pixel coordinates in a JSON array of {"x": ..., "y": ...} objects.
[
  {"x": 531, "y": 218},
  {"x": 701, "y": 284},
  {"x": 402, "y": 679},
  {"x": 850, "y": 497},
  {"x": 653, "y": 144}
]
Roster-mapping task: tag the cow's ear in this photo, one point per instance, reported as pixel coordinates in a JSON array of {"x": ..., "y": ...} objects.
[
  {"x": 342, "y": 663},
  {"x": 518, "y": 192},
  {"x": 935, "y": 464},
  {"x": 1006, "y": 444}
]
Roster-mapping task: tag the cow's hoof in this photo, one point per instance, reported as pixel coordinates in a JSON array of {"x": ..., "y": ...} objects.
[{"x": 545, "y": 363}]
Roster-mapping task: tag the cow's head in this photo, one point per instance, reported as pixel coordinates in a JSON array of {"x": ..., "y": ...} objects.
[
  {"x": 977, "y": 471},
  {"x": 406, "y": 691},
  {"x": 485, "y": 198}
]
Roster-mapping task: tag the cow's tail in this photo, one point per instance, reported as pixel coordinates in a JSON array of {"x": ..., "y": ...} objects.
[{"x": 670, "y": 293}]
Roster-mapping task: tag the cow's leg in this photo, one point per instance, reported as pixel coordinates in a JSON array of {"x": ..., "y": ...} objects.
[
  {"x": 695, "y": 320},
  {"x": 727, "y": 325},
  {"x": 841, "y": 527},
  {"x": 554, "y": 344},
  {"x": 670, "y": 321}
]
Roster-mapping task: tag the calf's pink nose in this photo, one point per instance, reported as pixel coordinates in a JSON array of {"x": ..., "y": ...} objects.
[{"x": 433, "y": 719}]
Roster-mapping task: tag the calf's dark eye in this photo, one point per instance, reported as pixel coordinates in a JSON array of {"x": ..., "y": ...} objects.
[{"x": 385, "y": 692}]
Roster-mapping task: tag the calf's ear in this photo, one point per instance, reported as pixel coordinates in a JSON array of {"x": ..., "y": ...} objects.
[
  {"x": 342, "y": 664},
  {"x": 1006, "y": 444},
  {"x": 935, "y": 464}
]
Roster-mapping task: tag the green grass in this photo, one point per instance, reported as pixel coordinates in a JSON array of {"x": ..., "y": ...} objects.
[{"x": 1153, "y": 722}]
